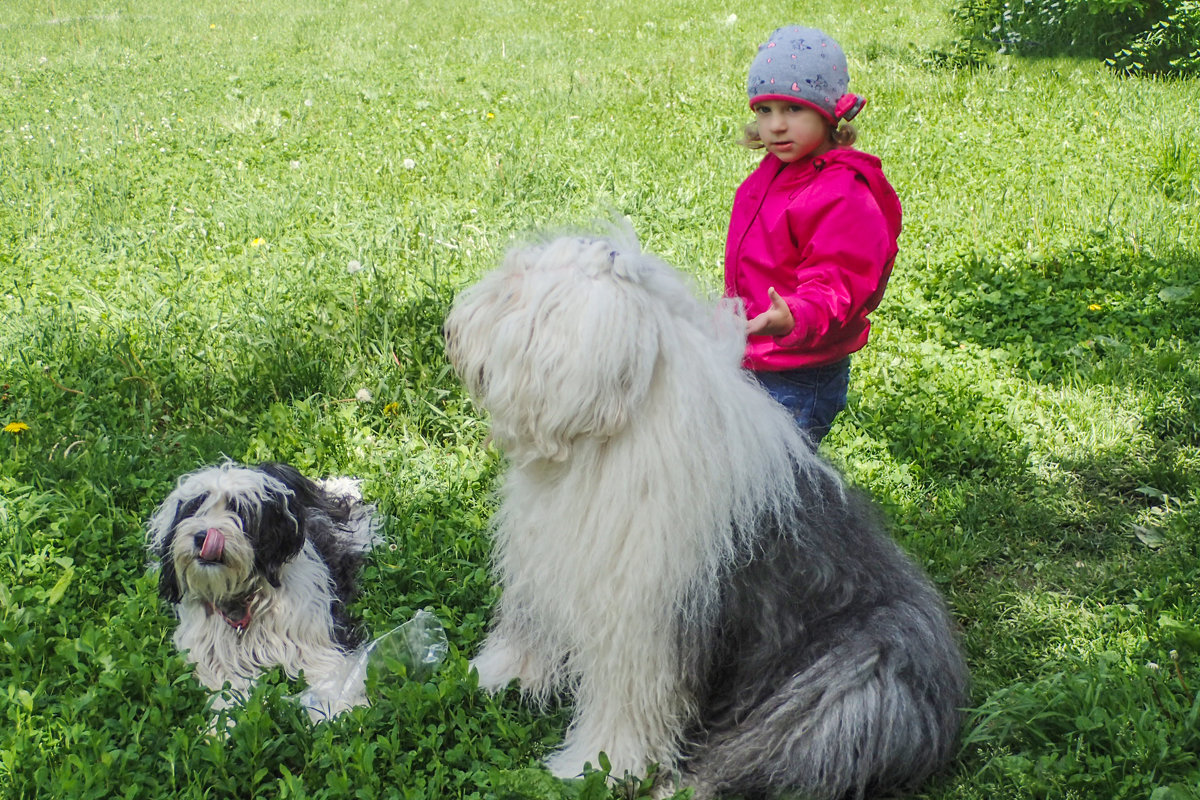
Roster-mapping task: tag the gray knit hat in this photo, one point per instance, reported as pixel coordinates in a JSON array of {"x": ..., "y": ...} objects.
[{"x": 804, "y": 64}]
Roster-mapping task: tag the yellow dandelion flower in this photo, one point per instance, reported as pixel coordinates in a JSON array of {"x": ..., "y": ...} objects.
[
  {"x": 1095, "y": 307},
  {"x": 259, "y": 242},
  {"x": 15, "y": 427},
  {"x": 391, "y": 409}
]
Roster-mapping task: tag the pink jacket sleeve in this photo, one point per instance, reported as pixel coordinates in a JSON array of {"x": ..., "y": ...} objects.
[{"x": 844, "y": 266}]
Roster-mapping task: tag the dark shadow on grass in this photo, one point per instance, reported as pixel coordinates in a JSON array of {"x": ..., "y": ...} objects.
[
  {"x": 1099, "y": 527},
  {"x": 1055, "y": 314},
  {"x": 129, "y": 404}
]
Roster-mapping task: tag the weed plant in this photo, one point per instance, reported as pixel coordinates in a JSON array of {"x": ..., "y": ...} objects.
[{"x": 232, "y": 230}]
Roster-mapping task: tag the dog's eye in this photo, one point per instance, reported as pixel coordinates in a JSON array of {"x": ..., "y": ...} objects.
[
  {"x": 246, "y": 515},
  {"x": 192, "y": 506}
]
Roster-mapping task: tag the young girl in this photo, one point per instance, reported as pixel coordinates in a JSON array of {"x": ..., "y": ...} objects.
[{"x": 812, "y": 236}]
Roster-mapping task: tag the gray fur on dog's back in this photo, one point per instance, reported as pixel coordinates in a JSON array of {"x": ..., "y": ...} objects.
[{"x": 831, "y": 667}]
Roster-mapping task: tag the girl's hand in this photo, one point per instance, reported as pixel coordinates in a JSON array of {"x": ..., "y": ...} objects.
[{"x": 775, "y": 321}]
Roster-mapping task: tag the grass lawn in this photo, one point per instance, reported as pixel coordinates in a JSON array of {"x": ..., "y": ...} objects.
[{"x": 232, "y": 230}]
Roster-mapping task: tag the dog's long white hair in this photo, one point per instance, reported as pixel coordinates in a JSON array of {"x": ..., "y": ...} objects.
[
  {"x": 673, "y": 553},
  {"x": 639, "y": 450}
]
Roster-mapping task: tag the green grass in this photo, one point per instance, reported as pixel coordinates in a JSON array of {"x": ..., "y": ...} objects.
[{"x": 186, "y": 190}]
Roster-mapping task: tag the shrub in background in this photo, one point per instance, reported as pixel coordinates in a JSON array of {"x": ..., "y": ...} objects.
[
  {"x": 1171, "y": 45},
  {"x": 1134, "y": 36}
]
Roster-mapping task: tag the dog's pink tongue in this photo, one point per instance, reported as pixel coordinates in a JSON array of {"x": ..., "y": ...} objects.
[{"x": 214, "y": 545}]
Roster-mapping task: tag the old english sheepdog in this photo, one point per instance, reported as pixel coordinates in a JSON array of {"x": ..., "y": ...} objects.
[
  {"x": 673, "y": 553},
  {"x": 259, "y": 563}
]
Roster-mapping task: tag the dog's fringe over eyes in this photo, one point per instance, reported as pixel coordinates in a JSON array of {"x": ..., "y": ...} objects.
[{"x": 671, "y": 550}]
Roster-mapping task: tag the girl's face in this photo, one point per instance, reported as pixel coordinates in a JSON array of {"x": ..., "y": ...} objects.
[{"x": 791, "y": 130}]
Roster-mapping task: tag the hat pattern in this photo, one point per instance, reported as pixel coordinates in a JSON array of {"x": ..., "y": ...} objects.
[{"x": 802, "y": 64}]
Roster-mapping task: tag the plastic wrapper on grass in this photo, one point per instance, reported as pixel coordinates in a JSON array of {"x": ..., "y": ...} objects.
[
  {"x": 414, "y": 649},
  {"x": 411, "y": 651}
]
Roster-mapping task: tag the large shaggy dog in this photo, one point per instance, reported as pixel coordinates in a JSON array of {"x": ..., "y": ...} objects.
[
  {"x": 259, "y": 563},
  {"x": 672, "y": 552}
]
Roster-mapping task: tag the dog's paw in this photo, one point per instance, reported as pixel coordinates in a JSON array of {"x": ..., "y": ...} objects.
[
  {"x": 491, "y": 680},
  {"x": 666, "y": 787},
  {"x": 623, "y": 764},
  {"x": 570, "y": 762},
  {"x": 498, "y": 665},
  {"x": 669, "y": 786}
]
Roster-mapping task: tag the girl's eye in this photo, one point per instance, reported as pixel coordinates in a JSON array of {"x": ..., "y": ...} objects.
[{"x": 795, "y": 109}]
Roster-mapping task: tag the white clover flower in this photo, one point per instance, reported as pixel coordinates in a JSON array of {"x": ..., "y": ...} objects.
[{"x": 409, "y": 164}]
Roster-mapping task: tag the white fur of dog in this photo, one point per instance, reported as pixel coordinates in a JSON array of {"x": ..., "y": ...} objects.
[
  {"x": 672, "y": 552},
  {"x": 259, "y": 563}
]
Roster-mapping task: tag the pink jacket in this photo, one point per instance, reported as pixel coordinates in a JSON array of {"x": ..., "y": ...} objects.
[{"x": 823, "y": 232}]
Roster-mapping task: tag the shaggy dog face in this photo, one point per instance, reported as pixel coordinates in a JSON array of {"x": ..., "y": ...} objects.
[
  {"x": 259, "y": 563},
  {"x": 234, "y": 531},
  {"x": 674, "y": 555},
  {"x": 541, "y": 328}
]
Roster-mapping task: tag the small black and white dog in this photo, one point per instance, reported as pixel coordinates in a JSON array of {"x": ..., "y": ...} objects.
[{"x": 259, "y": 563}]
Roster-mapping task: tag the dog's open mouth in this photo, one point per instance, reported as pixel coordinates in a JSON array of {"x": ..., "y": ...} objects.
[
  {"x": 213, "y": 547},
  {"x": 238, "y": 611}
]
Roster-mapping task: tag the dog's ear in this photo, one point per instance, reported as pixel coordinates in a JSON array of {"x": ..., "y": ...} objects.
[
  {"x": 277, "y": 528},
  {"x": 161, "y": 534},
  {"x": 168, "y": 582},
  {"x": 306, "y": 492},
  {"x": 161, "y": 525}
]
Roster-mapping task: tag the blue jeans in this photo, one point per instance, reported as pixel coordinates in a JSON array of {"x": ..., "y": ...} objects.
[{"x": 814, "y": 395}]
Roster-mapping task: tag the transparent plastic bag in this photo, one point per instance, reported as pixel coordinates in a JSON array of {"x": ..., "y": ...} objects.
[
  {"x": 414, "y": 649},
  {"x": 419, "y": 646}
]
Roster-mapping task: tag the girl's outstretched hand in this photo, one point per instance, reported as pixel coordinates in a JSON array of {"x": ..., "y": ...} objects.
[{"x": 775, "y": 321}]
